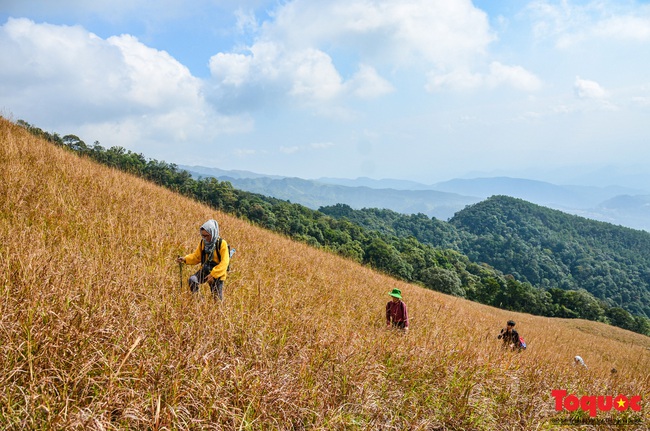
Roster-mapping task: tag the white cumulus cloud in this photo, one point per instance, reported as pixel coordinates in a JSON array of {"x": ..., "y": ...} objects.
[
  {"x": 293, "y": 52},
  {"x": 368, "y": 84},
  {"x": 268, "y": 68},
  {"x": 118, "y": 87},
  {"x": 572, "y": 23},
  {"x": 515, "y": 76},
  {"x": 497, "y": 75},
  {"x": 586, "y": 89}
]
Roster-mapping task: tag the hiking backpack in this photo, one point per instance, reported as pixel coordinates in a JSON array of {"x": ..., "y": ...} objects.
[
  {"x": 231, "y": 252},
  {"x": 522, "y": 343},
  {"x": 217, "y": 249}
]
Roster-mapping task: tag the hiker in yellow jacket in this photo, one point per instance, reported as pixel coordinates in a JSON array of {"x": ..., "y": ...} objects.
[{"x": 212, "y": 254}]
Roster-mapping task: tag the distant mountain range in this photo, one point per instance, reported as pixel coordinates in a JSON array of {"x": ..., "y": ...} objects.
[{"x": 618, "y": 205}]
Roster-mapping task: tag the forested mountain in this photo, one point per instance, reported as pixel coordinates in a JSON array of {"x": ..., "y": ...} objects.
[
  {"x": 549, "y": 248},
  {"x": 544, "y": 247},
  {"x": 429, "y": 252}
]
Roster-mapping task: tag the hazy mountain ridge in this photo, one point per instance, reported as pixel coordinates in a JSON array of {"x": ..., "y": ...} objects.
[
  {"x": 216, "y": 172},
  {"x": 314, "y": 194},
  {"x": 612, "y": 204},
  {"x": 618, "y": 205}
]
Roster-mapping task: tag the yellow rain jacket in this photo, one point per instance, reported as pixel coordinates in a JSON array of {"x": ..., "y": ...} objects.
[{"x": 221, "y": 258}]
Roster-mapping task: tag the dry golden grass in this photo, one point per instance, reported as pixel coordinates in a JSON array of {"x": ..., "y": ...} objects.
[{"x": 96, "y": 332}]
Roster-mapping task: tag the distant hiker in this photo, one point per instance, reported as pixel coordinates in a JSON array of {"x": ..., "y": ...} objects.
[
  {"x": 510, "y": 336},
  {"x": 212, "y": 254},
  {"x": 577, "y": 360},
  {"x": 396, "y": 313}
]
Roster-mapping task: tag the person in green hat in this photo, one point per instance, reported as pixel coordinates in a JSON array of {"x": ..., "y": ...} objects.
[{"x": 396, "y": 313}]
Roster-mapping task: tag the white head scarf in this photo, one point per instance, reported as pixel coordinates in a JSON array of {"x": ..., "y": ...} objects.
[{"x": 212, "y": 227}]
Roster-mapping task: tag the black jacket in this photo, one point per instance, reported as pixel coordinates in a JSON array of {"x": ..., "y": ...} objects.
[{"x": 511, "y": 337}]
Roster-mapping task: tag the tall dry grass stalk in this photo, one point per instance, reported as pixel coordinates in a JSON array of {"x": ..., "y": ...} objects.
[{"x": 97, "y": 334}]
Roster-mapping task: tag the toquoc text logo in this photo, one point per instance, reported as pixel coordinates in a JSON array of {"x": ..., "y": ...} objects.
[{"x": 593, "y": 404}]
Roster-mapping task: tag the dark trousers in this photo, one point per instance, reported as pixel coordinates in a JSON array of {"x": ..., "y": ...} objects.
[{"x": 216, "y": 287}]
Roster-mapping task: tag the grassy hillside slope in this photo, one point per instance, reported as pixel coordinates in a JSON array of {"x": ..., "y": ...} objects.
[{"x": 96, "y": 333}]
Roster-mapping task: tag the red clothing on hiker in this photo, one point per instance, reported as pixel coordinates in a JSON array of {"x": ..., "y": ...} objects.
[{"x": 397, "y": 314}]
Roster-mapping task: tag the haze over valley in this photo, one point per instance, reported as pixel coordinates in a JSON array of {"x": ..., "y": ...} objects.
[{"x": 620, "y": 205}]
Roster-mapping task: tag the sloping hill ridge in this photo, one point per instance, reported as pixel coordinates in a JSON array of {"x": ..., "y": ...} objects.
[
  {"x": 611, "y": 262},
  {"x": 97, "y": 333}
]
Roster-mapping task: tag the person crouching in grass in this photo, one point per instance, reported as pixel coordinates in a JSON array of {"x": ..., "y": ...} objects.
[{"x": 396, "y": 312}]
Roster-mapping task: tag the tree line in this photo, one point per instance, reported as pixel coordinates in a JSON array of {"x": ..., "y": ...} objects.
[{"x": 415, "y": 248}]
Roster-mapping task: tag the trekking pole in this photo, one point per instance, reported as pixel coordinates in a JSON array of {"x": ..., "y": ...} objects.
[{"x": 180, "y": 273}]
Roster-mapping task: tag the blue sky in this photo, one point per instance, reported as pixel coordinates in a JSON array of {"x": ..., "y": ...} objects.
[{"x": 424, "y": 90}]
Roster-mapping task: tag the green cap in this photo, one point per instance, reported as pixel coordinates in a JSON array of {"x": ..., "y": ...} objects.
[{"x": 396, "y": 293}]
